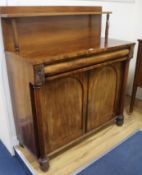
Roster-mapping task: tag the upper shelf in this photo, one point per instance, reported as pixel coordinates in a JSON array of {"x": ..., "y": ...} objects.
[
  {"x": 51, "y": 14},
  {"x": 14, "y": 12}
]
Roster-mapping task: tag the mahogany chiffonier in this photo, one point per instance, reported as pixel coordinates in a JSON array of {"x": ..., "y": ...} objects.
[
  {"x": 138, "y": 76},
  {"x": 66, "y": 81}
]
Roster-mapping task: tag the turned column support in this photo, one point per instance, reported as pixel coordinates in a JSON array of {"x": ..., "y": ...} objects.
[
  {"x": 36, "y": 89},
  {"x": 120, "y": 116},
  {"x": 107, "y": 29}
]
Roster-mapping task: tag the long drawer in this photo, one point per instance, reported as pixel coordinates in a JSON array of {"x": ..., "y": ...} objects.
[{"x": 51, "y": 70}]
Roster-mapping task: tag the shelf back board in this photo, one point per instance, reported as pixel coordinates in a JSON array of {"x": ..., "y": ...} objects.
[{"x": 43, "y": 29}]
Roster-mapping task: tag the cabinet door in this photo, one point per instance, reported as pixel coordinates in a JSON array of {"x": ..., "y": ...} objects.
[
  {"x": 103, "y": 94},
  {"x": 63, "y": 110}
]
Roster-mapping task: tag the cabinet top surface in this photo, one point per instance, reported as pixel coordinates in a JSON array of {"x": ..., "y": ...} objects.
[
  {"x": 10, "y": 12},
  {"x": 86, "y": 48}
]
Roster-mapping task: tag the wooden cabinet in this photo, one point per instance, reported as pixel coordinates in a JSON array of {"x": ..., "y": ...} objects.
[
  {"x": 66, "y": 81},
  {"x": 138, "y": 76}
]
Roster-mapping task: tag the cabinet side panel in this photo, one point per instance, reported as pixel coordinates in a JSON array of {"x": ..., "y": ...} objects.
[
  {"x": 20, "y": 75},
  {"x": 104, "y": 87},
  {"x": 62, "y": 104}
]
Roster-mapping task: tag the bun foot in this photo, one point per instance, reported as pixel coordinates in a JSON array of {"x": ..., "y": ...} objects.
[
  {"x": 44, "y": 164},
  {"x": 120, "y": 120}
]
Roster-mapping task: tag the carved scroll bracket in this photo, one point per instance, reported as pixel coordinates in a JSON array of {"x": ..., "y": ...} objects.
[{"x": 39, "y": 75}]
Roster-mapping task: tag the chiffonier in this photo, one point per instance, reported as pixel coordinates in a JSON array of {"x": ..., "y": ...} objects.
[{"x": 66, "y": 81}]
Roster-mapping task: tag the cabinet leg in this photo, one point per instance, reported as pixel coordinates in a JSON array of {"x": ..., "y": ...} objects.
[
  {"x": 133, "y": 99},
  {"x": 44, "y": 164},
  {"x": 120, "y": 120}
]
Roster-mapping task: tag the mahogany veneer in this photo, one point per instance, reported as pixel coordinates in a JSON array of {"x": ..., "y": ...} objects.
[{"x": 66, "y": 82}]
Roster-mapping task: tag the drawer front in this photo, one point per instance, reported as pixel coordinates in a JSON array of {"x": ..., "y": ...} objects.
[{"x": 68, "y": 66}]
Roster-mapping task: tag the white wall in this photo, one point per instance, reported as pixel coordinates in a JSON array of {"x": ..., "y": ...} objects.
[
  {"x": 124, "y": 24},
  {"x": 7, "y": 129},
  {"x": 3, "y": 2}
]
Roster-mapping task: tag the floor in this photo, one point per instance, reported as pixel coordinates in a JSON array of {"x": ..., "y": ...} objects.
[
  {"x": 93, "y": 147},
  {"x": 10, "y": 165}
]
